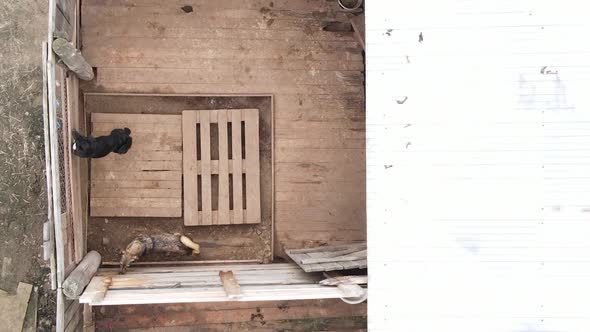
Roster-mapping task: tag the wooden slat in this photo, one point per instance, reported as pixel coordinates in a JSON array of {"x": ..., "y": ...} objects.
[
  {"x": 136, "y": 118},
  {"x": 223, "y": 168},
  {"x": 205, "y": 167},
  {"x": 136, "y": 212},
  {"x": 145, "y": 165},
  {"x": 252, "y": 166},
  {"x": 135, "y": 192},
  {"x": 136, "y": 202},
  {"x": 132, "y": 184},
  {"x": 189, "y": 140},
  {"x": 155, "y": 175},
  {"x": 141, "y": 155},
  {"x": 330, "y": 258},
  {"x": 236, "y": 120}
]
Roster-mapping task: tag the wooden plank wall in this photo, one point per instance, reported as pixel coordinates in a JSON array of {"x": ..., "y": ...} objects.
[
  {"x": 255, "y": 46},
  {"x": 70, "y": 241},
  {"x": 305, "y": 315}
]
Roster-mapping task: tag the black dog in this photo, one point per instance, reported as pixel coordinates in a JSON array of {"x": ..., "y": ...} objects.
[{"x": 118, "y": 141}]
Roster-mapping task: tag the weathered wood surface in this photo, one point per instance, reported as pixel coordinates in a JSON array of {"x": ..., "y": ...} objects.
[
  {"x": 14, "y": 307},
  {"x": 246, "y": 46},
  {"x": 147, "y": 180},
  {"x": 198, "y": 163},
  {"x": 302, "y": 315},
  {"x": 207, "y": 284},
  {"x": 81, "y": 276},
  {"x": 345, "y": 280},
  {"x": 330, "y": 258}
]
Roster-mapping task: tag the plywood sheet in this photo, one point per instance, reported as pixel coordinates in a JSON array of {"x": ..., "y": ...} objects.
[
  {"x": 232, "y": 196},
  {"x": 147, "y": 180}
]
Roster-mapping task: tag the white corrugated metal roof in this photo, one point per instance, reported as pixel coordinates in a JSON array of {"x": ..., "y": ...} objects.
[{"x": 478, "y": 161}]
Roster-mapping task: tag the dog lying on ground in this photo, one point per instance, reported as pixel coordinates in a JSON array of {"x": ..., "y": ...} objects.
[
  {"x": 170, "y": 244},
  {"x": 118, "y": 141}
]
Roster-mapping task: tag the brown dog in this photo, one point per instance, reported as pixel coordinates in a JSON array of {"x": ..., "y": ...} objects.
[{"x": 165, "y": 243}]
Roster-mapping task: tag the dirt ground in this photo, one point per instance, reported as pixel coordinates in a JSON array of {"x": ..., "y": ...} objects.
[{"x": 23, "y": 199}]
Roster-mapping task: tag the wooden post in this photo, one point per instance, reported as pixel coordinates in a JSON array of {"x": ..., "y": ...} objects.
[
  {"x": 81, "y": 276},
  {"x": 73, "y": 58}
]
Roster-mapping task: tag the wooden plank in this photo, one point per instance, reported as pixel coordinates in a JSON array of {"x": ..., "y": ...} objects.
[
  {"x": 141, "y": 155},
  {"x": 189, "y": 141},
  {"x": 65, "y": 162},
  {"x": 145, "y": 165},
  {"x": 75, "y": 166},
  {"x": 30, "y": 321},
  {"x": 355, "y": 280},
  {"x": 330, "y": 258},
  {"x": 136, "y": 118},
  {"x": 236, "y": 120},
  {"x": 230, "y": 284},
  {"x": 221, "y": 9},
  {"x": 205, "y": 168},
  {"x": 135, "y": 193},
  {"x": 48, "y": 170},
  {"x": 181, "y": 61},
  {"x": 217, "y": 294},
  {"x": 96, "y": 290},
  {"x": 198, "y": 316},
  {"x": 139, "y": 129},
  {"x": 184, "y": 21},
  {"x": 329, "y": 248},
  {"x": 139, "y": 184},
  {"x": 136, "y": 212},
  {"x": 13, "y": 308},
  {"x": 252, "y": 166},
  {"x": 150, "y": 175},
  {"x": 202, "y": 268},
  {"x": 208, "y": 6},
  {"x": 358, "y": 255},
  {"x": 136, "y": 202},
  {"x": 223, "y": 168},
  {"x": 232, "y": 88},
  {"x": 222, "y": 76}
]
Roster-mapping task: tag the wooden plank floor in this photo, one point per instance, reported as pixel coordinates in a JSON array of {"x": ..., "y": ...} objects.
[
  {"x": 146, "y": 181},
  {"x": 255, "y": 46}
]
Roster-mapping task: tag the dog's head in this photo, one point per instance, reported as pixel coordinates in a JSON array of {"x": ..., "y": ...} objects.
[
  {"x": 124, "y": 140},
  {"x": 82, "y": 145}
]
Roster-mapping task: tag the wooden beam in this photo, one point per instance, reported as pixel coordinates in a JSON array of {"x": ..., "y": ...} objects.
[
  {"x": 81, "y": 276},
  {"x": 230, "y": 284},
  {"x": 72, "y": 57}
]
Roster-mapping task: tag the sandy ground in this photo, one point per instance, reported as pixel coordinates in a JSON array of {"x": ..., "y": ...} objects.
[{"x": 23, "y": 26}]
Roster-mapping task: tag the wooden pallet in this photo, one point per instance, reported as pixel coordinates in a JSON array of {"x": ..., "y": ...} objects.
[
  {"x": 147, "y": 180},
  {"x": 330, "y": 258},
  {"x": 210, "y": 167}
]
